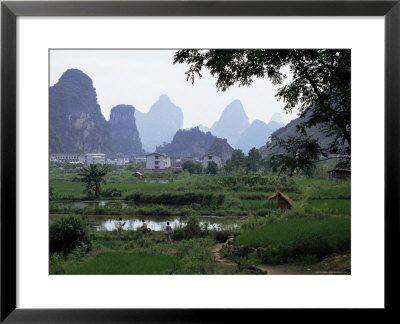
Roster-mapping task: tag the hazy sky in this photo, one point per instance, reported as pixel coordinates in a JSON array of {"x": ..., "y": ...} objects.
[{"x": 139, "y": 77}]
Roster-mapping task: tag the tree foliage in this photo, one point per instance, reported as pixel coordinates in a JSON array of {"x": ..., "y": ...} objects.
[
  {"x": 93, "y": 177},
  {"x": 192, "y": 167},
  {"x": 253, "y": 160},
  {"x": 236, "y": 162},
  {"x": 319, "y": 86},
  {"x": 301, "y": 153},
  {"x": 212, "y": 168},
  {"x": 66, "y": 233}
]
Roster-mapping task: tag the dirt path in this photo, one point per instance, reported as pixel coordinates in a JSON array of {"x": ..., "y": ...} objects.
[
  {"x": 218, "y": 258},
  {"x": 335, "y": 264},
  {"x": 270, "y": 269}
]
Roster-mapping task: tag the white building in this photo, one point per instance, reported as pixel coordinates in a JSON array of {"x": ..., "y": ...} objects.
[
  {"x": 207, "y": 158},
  {"x": 137, "y": 159},
  {"x": 157, "y": 161},
  {"x": 118, "y": 161},
  {"x": 95, "y": 158},
  {"x": 68, "y": 157}
]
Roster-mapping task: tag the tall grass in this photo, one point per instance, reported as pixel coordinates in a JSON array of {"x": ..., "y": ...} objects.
[
  {"x": 286, "y": 232},
  {"x": 294, "y": 239}
]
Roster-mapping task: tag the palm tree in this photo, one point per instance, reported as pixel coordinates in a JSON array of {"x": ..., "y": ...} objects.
[{"x": 93, "y": 176}]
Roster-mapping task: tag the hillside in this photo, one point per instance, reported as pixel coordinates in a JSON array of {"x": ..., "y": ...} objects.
[
  {"x": 76, "y": 121},
  {"x": 124, "y": 133},
  {"x": 194, "y": 142},
  {"x": 291, "y": 130}
]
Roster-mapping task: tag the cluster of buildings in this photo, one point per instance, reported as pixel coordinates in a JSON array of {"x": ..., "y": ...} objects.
[
  {"x": 87, "y": 158},
  {"x": 154, "y": 161}
]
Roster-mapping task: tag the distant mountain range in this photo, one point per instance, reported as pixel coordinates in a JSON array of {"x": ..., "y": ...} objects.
[
  {"x": 232, "y": 123},
  {"x": 235, "y": 127},
  {"x": 256, "y": 135},
  {"x": 78, "y": 126},
  {"x": 160, "y": 124}
]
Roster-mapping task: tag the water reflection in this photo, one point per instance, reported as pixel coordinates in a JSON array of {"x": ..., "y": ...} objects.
[{"x": 155, "y": 225}]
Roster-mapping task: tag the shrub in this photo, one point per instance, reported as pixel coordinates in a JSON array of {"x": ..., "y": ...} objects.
[
  {"x": 57, "y": 264},
  {"x": 192, "y": 167},
  {"x": 178, "y": 233},
  {"x": 221, "y": 236},
  {"x": 112, "y": 192},
  {"x": 185, "y": 198},
  {"x": 192, "y": 228},
  {"x": 197, "y": 257},
  {"x": 66, "y": 234},
  {"x": 212, "y": 168}
]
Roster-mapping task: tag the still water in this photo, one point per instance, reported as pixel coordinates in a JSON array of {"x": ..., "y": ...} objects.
[
  {"x": 213, "y": 222},
  {"x": 104, "y": 223}
]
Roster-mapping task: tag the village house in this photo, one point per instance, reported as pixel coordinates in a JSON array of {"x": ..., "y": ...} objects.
[
  {"x": 95, "y": 158},
  {"x": 207, "y": 158},
  {"x": 284, "y": 202},
  {"x": 137, "y": 159},
  {"x": 157, "y": 161},
  {"x": 138, "y": 175}
]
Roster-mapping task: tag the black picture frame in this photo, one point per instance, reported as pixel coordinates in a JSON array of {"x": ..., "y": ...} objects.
[{"x": 10, "y": 10}]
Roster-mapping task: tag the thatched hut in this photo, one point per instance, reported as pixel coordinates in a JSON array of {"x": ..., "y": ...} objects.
[
  {"x": 284, "y": 202},
  {"x": 138, "y": 175}
]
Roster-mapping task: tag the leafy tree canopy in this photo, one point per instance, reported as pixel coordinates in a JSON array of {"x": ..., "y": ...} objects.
[
  {"x": 319, "y": 84},
  {"x": 212, "y": 168},
  {"x": 253, "y": 160},
  {"x": 192, "y": 167},
  {"x": 236, "y": 162}
]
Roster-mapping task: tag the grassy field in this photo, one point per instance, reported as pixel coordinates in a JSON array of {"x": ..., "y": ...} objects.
[
  {"x": 243, "y": 196},
  {"x": 128, "y": 263},
  {"x": 134, "y": 253},
  {"x": 318, "y": 225},
  {"x": 335, "y": 231}
]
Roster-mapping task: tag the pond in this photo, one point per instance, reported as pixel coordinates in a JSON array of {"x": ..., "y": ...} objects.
[{"x": 158, "y": 224}]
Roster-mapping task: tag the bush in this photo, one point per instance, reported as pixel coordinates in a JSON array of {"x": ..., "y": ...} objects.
[
  {"x": 212, "y": 168},
  {"x": 112, "y": 192},
  {"x": 178, "y": 233},
  {"x": 197, "y": 257},
  {"x": 57, "y": 264},
  {"x": 192, "y": 167},
  {"x": 257, "y": 183},
  {"x": 192, "y": 228},
  {"x": 66, "y": 234},
  {"x": 221, "y": 236},
  {"x": 185, "y": 198}
]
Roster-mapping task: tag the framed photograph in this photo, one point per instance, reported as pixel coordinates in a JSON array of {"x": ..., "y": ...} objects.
[{"x": 163, "y": 158}]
